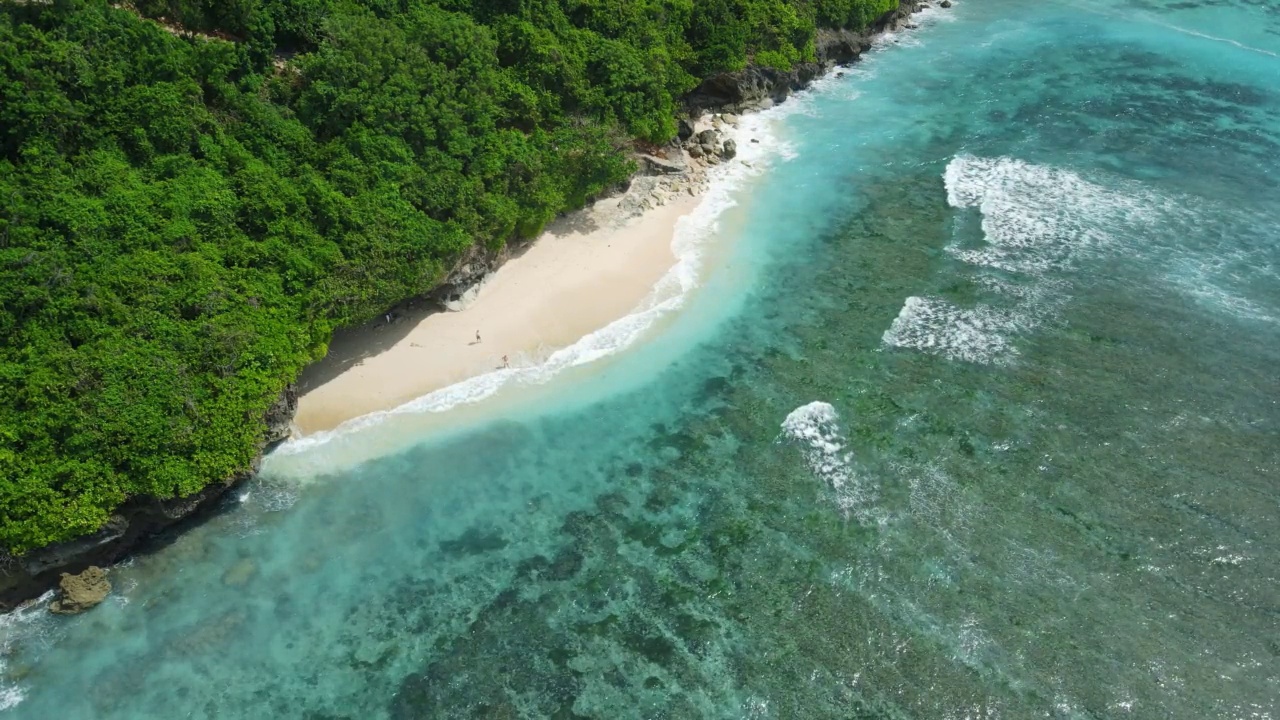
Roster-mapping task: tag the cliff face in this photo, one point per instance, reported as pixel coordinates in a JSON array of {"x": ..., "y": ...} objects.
[
  {"x": 140, "y": 522},
  {"x": 132, "y": 526},
  {"x": 755, "y": 88}
]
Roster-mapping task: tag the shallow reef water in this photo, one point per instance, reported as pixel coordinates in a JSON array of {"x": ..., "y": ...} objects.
[{"x": 985, "y": 427}]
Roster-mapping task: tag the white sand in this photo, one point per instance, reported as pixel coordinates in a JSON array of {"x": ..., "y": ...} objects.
[{"x": 570, "y": 283}]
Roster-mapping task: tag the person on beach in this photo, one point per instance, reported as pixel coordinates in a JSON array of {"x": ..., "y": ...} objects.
[
  {"x": 505, "y": 363},
  {"x": 477, "y": 336}
]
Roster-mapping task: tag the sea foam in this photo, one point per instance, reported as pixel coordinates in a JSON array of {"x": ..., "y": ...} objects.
[
  {"x": 1038, "y": 223},
  {"x": 977, "y": 335},
  {"x": 27, "y": 624},
  {"x": 1037, "y": 219},
  {"x": 815, "y": 428},
  {"x": 907, "y": 37}
]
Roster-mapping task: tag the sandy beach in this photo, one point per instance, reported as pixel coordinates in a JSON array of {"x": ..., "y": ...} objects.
[{"x": 589, "y": 269}]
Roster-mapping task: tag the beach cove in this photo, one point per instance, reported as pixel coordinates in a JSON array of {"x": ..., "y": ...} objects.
[
  {"x": 591, "y": 268},
  {"x": 968, "y": 412}
]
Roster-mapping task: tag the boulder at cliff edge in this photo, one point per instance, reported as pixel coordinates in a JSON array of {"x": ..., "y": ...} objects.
[{"x": 81, "y": 592}]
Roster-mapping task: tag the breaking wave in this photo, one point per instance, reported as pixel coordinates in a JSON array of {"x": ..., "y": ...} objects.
[
  {"x": 1037, "y": 223},
  {"x": 977, "y": 335},
  {"x": 26, "y": 624},
  {"x": 816, "y": 429}
]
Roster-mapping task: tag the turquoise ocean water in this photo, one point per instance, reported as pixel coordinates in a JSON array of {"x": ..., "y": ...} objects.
[{"x": 973, "y": 416}]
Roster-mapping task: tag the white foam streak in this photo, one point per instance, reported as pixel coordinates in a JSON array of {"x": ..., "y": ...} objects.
[
  {"x": 1215, "y": 38},
  {"x": 977, "y": 335},
  {"x": 906, "y": 37},
  {"x": 20, "y": 625},
  {"x": 1035, "y": 218},
  {"x": 816, "y": 429},
  {"x": 10, "y": 697},
  {"x": 1037, "y": 222},
  {"x": 1204, "y": 280}
]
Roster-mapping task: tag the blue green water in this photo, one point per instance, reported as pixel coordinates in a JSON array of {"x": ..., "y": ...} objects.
[{"x": 975, "y": 417}]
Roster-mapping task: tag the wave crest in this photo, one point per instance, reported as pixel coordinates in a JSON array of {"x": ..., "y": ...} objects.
[
  {"x": 816, "y": 429},
  {"x": 1037, "y": 223},
  {"x": 27, "y": 624}
]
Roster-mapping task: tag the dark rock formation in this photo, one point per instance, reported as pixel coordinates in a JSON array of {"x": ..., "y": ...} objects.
[
  {"x": 746, "y": 89},
  {"x": 279, "y": 417},
  {"x": 133, "y": 527},
  {"x": 81, "y": 592},
  {"x": 730, "y": 149},
  {"x": 471, "y": 270},
  {"x": 684, "y": 129},
  {"x": 841, "y": 47}
]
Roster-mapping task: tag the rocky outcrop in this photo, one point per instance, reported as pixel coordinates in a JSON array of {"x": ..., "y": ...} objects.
[
  {"x": 704, "y": 147},
  {"x": 653, "y": 165},
  {"x": 81, "y": 592},
  {"x": 684, "y": 129},
  {"x": 459, "y": 287},
  {"x": 279, "y": 418},
  {"x": 756, "y": 88},
  {"x": 134, "y": 525}
]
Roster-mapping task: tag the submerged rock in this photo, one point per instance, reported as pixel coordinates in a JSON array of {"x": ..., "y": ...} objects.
[
  {"x": 81, "y": 592},
  {"x": 240, "y": 574}
]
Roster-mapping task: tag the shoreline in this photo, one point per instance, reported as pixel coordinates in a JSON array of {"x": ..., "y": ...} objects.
[{"x": 680, "y": 213}]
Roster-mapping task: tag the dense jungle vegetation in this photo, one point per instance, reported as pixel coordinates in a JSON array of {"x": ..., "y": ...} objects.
[{"x": 185, "y": 219}]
